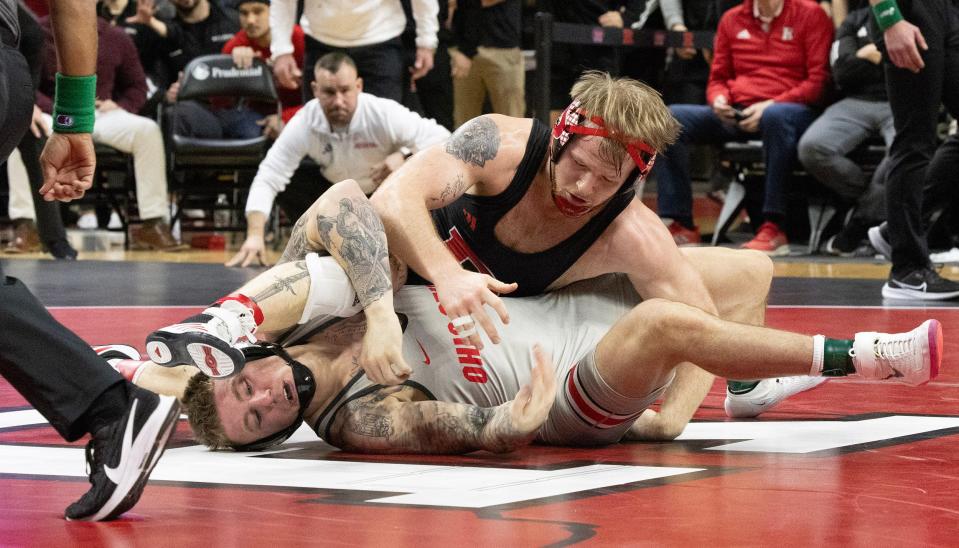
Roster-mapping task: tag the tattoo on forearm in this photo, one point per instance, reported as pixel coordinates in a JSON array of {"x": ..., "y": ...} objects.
[
  {"x": 283, "y": 284},
  {"x": 298, "y": 246},
  {"x": 451, "y": 190},
  {"x": 373, "y": 426},
  {"x": 475, "y": 142},
  {"x": 362, "y": 245}
]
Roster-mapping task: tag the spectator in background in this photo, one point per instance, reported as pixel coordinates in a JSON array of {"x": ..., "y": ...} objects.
[
  {"x": 201, "y": 27},
  {"x": 434, "y": 91},
  {"x": 348, "y": 133},
  {"x": 770, "y": 66},
  {"x": 121, "y": 91},
  {"x": 569, "y": 61},
  {"x": 687, "y": 69},
  {"x": 253, "y": 40},
  {"x": 135, "y": 17},
  {"x": 863, "y": 113},
  {"x": 487, "y": 61},
  {"x": 369, "y": 32}
]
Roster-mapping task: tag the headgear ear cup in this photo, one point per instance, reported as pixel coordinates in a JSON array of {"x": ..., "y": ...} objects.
[{"x": 305, "y": 389}]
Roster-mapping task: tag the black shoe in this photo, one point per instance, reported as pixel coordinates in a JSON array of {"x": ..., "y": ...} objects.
[
  {"x": 121, "y": 456},
  {"x": 62, "y": 250},
  {"x": 848, "y": 240},
  {"x": 879, "y": 238},
  {"x": 923, "y": 284}
]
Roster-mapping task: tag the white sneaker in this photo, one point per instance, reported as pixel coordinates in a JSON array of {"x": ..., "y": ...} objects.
[
  {"x": 911, "y": 358},
  {"x": 767, "y": 394}
]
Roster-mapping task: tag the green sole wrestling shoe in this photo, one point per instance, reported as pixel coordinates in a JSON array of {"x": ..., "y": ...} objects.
[{"x": 766, "y": 395}]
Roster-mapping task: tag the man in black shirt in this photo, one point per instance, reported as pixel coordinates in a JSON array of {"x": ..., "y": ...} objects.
[
  {"x": 487, "y": 61},
  {"x": 861, "y": 114}
]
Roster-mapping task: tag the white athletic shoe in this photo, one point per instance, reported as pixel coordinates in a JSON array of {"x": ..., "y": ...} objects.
[
  {"x": 911, "y": 358},
  {"x": 209, "y": 340},
  {"x": 112, "y": 352},
  {"x": 766, "y": 395}
]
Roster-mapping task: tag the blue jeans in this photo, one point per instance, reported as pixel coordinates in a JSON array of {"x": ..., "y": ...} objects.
[{"x": 779, "y": 128}]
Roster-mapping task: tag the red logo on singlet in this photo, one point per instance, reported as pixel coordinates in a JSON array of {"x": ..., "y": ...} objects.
[
  {"x": 461, "y": 250},
  {"x": 466, "y": 354}
]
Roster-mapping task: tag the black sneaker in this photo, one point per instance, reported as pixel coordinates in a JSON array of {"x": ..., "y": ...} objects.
[
  {"x": 121, "y": 456},
  {"x": 923, "y": 284},
  {"x": 879, "y": 238},
  {"x": 848, "y": 240},
  {"x": 62, "y": 250}
]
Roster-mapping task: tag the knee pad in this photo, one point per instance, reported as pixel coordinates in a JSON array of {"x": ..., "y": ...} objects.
[{"x": 331, "y": 291}]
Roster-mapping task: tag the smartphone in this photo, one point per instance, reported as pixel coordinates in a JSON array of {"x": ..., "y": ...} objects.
[{"x": 738, "y": 114}]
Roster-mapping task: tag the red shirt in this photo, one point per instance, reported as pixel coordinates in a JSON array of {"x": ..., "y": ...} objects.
[
  {"x": 788, "y": 64},
  {"x": 291, "y": 99}
]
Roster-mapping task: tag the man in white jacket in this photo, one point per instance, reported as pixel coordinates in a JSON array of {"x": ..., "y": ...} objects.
[
  {"x": 348, "y": 133},
  {"x": 369, "y": 31}
]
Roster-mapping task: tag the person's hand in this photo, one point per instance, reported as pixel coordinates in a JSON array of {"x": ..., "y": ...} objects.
[
  {"x": 253, "y": 249},
  {"x": 243, "y": 56},
  {"x": 106, "y": 105},
  {"x": 870, "y": 53},
  {"x": 422, "y": 64},
  {"x": 754, "y": 114},
  {"x": 460, "y": 64},
  {"x": 145, "y": 12},
  {"x": 516, "y": 422},
  {"x": 38, "y": 124},
  {"x": 287, "y": 73},
  {"x": 67, "y": 162},
  {"x": 382, "y": 355},
  {"x": 723, "y": 110},
  {"x": 463, "y": 295},
  {"x": 611, "y": 19},
  {"x": 174, "y": 89},
  {"x": 902, "y": 40},
  {"x": 272, "y": 125},
  {"x": 683, "y": 53},
  {"x": 382, "y": 170}
]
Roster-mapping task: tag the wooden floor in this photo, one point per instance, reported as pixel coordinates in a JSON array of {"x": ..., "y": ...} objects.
[{"x": 852, "y": 463}]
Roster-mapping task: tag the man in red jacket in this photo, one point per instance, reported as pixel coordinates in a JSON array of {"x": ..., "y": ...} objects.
[
  {"x": 253, "y": 40},
  {"x": 771, "y": 64}
]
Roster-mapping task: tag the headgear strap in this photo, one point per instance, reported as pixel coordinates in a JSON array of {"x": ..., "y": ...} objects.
[{"x": 569, "y": 124}]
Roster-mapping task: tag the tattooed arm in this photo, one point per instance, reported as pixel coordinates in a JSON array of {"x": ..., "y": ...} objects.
[
  {"x": 480, "y": 157},
  {"x": 391, "y": 421}
]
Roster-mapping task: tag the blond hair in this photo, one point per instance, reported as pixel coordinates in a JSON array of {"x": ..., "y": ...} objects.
[
  {"x": 202, "y": 413},
  {"x": 630, "y": 109}
]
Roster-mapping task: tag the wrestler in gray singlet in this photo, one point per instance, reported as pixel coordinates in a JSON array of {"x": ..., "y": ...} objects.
[{"x": 567, "y": 324}]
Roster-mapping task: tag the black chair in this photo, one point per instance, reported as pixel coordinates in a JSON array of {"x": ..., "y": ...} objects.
[
  {"x": 746, "y": 161},
  {"x": 229, "y": 163}
]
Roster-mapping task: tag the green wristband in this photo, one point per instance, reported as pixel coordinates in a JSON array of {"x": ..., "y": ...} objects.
[
  {"x": 887, "y": 14},
  {"x": 74, "y": 108}
]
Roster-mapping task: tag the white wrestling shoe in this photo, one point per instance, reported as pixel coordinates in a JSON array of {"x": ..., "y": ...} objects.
[
  {"x": 911, "y": 358},
  {"x": 113, "y": 352},
  {"x": 767, "y": 394},
  {"x": 208, "y": 340}
]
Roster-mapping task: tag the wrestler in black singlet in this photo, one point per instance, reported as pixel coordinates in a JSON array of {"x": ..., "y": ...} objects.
[{"x": 467, "y": 226}]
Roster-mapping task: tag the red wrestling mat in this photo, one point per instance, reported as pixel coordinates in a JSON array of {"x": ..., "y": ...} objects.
[{"x": 851, "y": 463}]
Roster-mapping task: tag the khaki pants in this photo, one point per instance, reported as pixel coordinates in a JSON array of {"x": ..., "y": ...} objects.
[{"x": 496, "y": 72}]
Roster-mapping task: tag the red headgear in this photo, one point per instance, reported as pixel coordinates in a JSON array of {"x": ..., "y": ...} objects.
[{"x": 570, "y": 123}]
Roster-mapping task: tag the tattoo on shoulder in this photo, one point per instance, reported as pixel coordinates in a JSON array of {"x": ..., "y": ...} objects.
[{"x": 475, "y": 142}]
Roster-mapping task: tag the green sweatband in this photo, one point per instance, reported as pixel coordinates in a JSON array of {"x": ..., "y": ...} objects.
[
  {"x": 887, "y": 14},
  {"x": 73, "y": 105}
]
